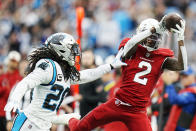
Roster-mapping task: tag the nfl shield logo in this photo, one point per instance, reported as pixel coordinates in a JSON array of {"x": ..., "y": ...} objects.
[
  {"x": 30, "y": 126},
  {"x": 147, "y": 54}
]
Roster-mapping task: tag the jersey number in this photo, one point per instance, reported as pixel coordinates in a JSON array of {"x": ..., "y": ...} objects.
[
  {"x": 55, "y": 97},
  {"x": 137, "y": 78}
]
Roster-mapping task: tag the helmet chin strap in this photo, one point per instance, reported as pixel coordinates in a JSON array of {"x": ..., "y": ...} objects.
[
  {"x": 152, "y": 48},
  {"x": 149, "y": 48}
]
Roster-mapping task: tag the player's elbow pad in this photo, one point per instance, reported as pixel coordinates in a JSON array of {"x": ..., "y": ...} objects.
[{"x": 130, "y": 44}]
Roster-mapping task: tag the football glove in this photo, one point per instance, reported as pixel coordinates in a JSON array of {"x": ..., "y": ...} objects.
[
  {"x": 180, "y": 30},
  {"x": 117, "y": 63},
  {"x": 160, "y": 29},
  {"x": 12, "y": 105}
]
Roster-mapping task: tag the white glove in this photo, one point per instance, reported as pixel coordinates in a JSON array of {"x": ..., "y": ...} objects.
[
  {"x": 64, "y": 118},
  {"x": 160, "y": 28},
  {"x": 12, "y": 105},
  {"x": 180, "y": 30},
  {"x": 117, "y": 63}
]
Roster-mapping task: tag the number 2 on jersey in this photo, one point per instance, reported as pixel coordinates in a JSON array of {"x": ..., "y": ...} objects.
[
  {"x": 54, "y": 97},
  {"x": 142, "y": 73}
]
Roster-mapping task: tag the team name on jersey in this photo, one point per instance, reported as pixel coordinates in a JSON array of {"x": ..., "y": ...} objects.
[{"x": 146, "y": 59}]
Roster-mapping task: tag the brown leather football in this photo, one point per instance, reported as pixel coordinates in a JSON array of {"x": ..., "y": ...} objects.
[{"x": 171, "y": 20}]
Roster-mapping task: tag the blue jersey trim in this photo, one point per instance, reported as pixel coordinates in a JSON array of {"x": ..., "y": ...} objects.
[
  {"x": 54, "y": 74},
  {"x": 19, "y": 121}
]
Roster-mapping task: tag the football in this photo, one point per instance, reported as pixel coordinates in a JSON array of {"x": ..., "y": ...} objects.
[{"x": 171, "y": 20}]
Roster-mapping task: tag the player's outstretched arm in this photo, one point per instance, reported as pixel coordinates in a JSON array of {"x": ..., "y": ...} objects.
[
  {"x": 93, "y": 74},
  {"x": 35, "y": 78},
  {"x": 63, "y": 119},
  {"x": 180, "y": 63}
]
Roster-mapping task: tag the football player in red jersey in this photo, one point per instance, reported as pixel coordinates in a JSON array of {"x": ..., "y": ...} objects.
[{"x": 145, "y": 62}]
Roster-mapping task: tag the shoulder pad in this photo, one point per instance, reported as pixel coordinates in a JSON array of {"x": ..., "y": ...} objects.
[
  {"x": 123, "y": 42},
  {"x": 164, "y": 52},
  {"x": 43, "y": 64},
  {"x": 49, "y": 67}
]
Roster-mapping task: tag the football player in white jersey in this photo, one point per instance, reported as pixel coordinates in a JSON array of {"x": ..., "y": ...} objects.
[{"x": 51, "y": 71}]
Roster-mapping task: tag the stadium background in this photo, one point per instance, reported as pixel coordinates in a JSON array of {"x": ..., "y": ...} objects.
[{"x": 25, "y": 24}]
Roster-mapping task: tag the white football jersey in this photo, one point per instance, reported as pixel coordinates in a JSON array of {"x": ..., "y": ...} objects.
[
  {"x": 47, "y": 97},
  {"x": 50, "y": 88}
]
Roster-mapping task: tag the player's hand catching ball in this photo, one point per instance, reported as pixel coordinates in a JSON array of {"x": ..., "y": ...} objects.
[
  {"x": 180, "y": 30},
  {"x": 117, "y": 63}
]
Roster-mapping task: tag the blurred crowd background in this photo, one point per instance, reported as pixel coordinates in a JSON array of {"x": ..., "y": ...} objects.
[{"x": 25, "y": 24}]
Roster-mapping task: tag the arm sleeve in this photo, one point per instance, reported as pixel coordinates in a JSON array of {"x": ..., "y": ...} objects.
[
  {"x": 136, "y": 39},
  {"x": 184, "y": 57},
  {"x": 179, "y": 99},
  {"x": 35, "y": 78},
  {"x": 59, "y": 119},
  {"x": 92, "y": 74},
  {"x": 8, "y": 114},
  {"x": 68, "y": 100}
]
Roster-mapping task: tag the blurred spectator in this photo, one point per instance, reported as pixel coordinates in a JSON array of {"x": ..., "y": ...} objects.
[
  {"x": 106, "y": 39},
  {"x": 7, "y": 81},
  {"x": 25, "y": 39},
  {"x": 25, "y": 100},
  {"x": 92, "y": 93},
  {"x": 23, "y": 67},
  {"x": 121, "y": 16},
  {"x": 182, "y": 115},
  {"x": 14, "y": 42},
  {"x": 162, "y": 106}
]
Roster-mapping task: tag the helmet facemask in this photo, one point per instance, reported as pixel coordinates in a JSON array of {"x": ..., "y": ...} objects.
[
  {"x": 75, "y": 52},
  {"x": 65, "y": 46},
  {"x": 152, "y": 42}
]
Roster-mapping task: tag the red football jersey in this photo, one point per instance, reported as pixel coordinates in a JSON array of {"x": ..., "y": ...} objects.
[
  {"x": 7, "y": 81},
  {"x": 140, "y": 75}
]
